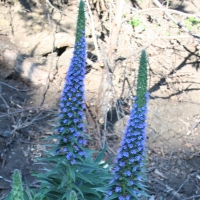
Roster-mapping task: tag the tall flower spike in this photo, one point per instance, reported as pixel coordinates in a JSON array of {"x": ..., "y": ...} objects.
[
  {"x": 71, "y": 119},
  {"x": 129, "y": 167}
]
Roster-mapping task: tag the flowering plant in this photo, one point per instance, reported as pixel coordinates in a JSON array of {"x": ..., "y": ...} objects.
[
  {"x": 73, "y": 168},
  {"x": 72, "y": 171},
  {"x": 129, "y": 167}
]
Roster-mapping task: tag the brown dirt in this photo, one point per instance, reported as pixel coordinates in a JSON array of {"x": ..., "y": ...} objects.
[{"x": 173, "y": 142}]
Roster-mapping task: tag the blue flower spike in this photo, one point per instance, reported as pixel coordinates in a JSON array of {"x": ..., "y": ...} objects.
[
  {"x": 71, "y": 118},
  {"x": 129, "y": 168}
]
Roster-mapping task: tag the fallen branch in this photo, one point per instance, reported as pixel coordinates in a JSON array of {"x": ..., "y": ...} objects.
[
  {"x": 192, "y": 197},
  {"x": 13, "y": 87},
  {"x": 22, "y": 110},
  {"x": 175, "y": 21},
  {"x": 161, "y": 9}
]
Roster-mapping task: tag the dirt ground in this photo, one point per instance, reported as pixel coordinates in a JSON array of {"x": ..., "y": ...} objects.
[{"x": 28, "y": 103}]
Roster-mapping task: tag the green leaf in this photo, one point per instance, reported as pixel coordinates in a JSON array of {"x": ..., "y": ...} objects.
[
  {"x": 89, "y": 190},
  {"x": 64, "y": 181},
  {"x": 67, "y": 195},
  {"x": 78, "y": 189},
  {"x": 72, "y": 173},
  {"x": 69, "y": 122},
  {"x": 84, "y": 178},
  {"x": 9, "y": 196},
  {"x": 113, "y": 196},
  {"x": 26, "y": 197},
  {"x": 131, "y": 192},
  {"x": 100, "y": 156}
]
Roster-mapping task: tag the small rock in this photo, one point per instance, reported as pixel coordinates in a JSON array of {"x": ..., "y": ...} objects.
[
  {"x": 5, "y": 133},
  {"x": 90, "y": 45},
  {"x": 59, "y": 40},
  {"x": 63, "y": 39},
  {"x": 56, "y": 16},
  {"x": 25, "y": 154},
  {"x": 11, "y": 58},
  {"x": 32, "y": 72},
  {"x": 40, "y": 147},
  {"x": 37, "y": 28}
]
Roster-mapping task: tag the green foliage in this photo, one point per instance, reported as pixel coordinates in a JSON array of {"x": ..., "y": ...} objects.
[
  {"x": 86, "y": 178},
  {"x": 194, "y": 21},
  {"x": 129, "y": 169},
  {"x": 135, "y": 22},
  {"x": 190, "y": 22},
  {"x": 17, "y": 192},
  {"x": 69, "y": 175},
  {"x": 137, "y": 25}
]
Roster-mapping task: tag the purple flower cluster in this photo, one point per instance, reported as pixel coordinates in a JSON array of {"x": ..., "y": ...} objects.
[
  {"x": 71, "y": 118},
  {"x": 129, "y": 165}
]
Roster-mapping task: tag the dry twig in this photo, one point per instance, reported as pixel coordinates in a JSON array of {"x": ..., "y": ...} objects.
[
  {"x": 175, "y": 21},
  {"x": 19, "y": 90},
  {"x": 93, "y": 31},
  {"x": 49, "y": 3},
  {"x": 115, "y": 26}
]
